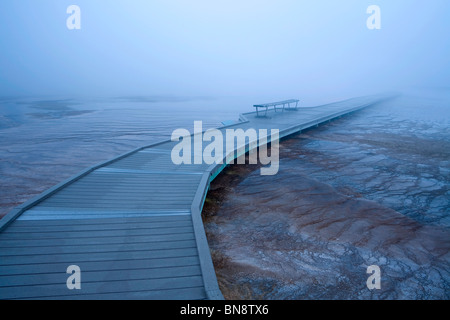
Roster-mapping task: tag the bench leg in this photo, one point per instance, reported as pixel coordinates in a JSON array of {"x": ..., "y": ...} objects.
[{"x": 293, "y": 108}]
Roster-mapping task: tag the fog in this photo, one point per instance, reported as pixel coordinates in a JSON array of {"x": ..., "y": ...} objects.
[{"x": 276, "y": 49}]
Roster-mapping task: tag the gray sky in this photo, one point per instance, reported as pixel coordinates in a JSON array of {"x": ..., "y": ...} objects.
[{"x": 215, "y": 47}]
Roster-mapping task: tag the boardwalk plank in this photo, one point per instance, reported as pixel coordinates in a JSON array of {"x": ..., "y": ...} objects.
[
  {"x": 100, "y": 265},
  {"x": 88, "y": 248},
  {"x": 102, "y": 287},
  {"x": 195, "y": 293},
  {"x": 75, "y": 258},
  {"x": 96, "y": 241},
  {"x": 100, "y": 276}
]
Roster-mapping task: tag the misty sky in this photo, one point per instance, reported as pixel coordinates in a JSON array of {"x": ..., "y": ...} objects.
[{"x": 218, "y": 47}]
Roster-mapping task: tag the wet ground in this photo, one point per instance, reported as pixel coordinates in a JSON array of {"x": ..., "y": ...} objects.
[
  {"x": 371, "y": 188},
  {"x": 45, "y": 141}
]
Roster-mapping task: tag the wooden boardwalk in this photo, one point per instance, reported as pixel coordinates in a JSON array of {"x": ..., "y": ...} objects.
[{"x": 132, "y": 224}]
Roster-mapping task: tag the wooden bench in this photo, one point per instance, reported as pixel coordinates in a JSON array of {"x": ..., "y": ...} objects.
[{"x": 277, "y": 105}]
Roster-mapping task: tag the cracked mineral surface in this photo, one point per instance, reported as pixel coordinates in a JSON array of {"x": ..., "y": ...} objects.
[{"x": 368, "y": 189}]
